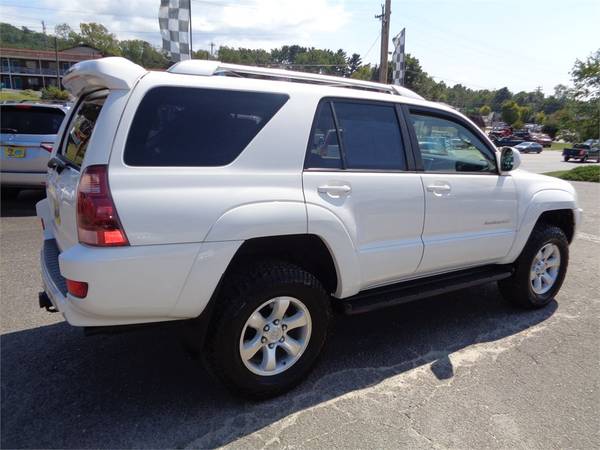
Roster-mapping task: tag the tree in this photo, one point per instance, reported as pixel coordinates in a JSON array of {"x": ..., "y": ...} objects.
[
  {"x": 63, "y": 31},
  {"x": 362, "y": 73},
  {"x": 97, "y": 35},
  {"x": 510, "y": 111},
  {"x": 54, "y": 93},
  {"x": 540, "y": 118},
  {"x": 525, "y": 114},
  {"x": 485, "y": 110},
  {"x": 501, "y": 96},
  {"x": 586, "y": 76},
  {"x": 354, "y": 62}
]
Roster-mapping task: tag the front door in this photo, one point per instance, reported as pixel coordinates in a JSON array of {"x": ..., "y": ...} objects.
[
  {"x": 356, "y": 168},
  {"x": 471, "y": 210}
]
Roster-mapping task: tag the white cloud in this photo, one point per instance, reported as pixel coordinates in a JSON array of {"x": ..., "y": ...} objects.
[{"x": 251, "y": 23}]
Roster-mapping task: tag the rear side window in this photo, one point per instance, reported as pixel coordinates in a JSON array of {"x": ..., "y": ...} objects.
[
  {"x": 370, "y": 135},
  {"x": 81, "y": 126},
  {"x": 324, "y": 148},
  {"x": 28, "y": 119},
  {"x": 176, "y": 126}
]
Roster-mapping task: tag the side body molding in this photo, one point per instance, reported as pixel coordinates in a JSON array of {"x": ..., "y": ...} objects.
[{"x": 542, "y": 201}]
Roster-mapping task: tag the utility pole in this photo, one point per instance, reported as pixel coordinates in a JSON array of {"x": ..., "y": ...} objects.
[
  {"x": 57, "y": 63},
  {"x": 212, "y": 46},
  {"x": 385, "y": 37}
]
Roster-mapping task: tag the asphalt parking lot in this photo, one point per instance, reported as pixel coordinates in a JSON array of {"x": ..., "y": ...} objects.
[
  {"x": 463, "y": 371},
  {"x": 548, "y": 161}
]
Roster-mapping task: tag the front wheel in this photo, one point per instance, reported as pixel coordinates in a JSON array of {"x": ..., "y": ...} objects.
[
  {"x": 566, "y": 158},
  {"x": 584, "y": 159},
  {"x": 540, "y": 269},
  {"x": 268, "y": 329}
]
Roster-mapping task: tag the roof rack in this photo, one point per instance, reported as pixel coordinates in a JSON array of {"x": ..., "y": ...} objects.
[{"x": 216, "y": 68}]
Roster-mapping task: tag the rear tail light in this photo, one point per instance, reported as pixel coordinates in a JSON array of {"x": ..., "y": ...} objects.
[
  {"x": 77, "y": 288},
  {"x": 47, "y": 146},
  {"x": 97, "y": 221}
]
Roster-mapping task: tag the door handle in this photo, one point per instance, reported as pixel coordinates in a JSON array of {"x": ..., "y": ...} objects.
[
  {"x": 337, "y": 190},
  {"x": 439, "y": 189}
]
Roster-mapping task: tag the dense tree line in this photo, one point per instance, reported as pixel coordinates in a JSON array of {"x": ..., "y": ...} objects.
[{"x": 574, "y": 108}]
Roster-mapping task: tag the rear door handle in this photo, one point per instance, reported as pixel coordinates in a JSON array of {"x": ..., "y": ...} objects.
[
  {"x": 439, "y": 189},
  {"x": 335, "y": 190}
]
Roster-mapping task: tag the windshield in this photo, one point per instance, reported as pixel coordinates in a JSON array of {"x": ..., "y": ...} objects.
[{"x": 28, "y": 119}]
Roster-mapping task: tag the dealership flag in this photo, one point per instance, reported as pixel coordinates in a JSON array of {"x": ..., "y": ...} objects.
[
  {"x": 174, "y": 22},
  {"x": 398, "y": 59}
]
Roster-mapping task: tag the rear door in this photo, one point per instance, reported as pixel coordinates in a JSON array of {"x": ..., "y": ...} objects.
[
  {"x": 357, "y": 168},
  {"x": 68, "y": 158},
  {"x": 27, "y": 136}
]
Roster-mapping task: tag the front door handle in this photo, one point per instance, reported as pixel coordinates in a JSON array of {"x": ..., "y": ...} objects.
[
  {"x": 439, "y": 189},
  {"x": 335, "y": 190}
]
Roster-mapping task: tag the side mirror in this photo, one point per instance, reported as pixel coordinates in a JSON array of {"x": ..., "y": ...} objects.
[{"x": 510, "y": 159}]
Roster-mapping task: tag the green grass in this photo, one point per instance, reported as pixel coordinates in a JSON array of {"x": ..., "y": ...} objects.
[
  {"x": 582, "y": 173},
  {"x": 559, "y": 146},
  {"x": 18, "y": 95}
]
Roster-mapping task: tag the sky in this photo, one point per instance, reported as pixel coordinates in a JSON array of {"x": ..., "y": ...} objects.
[{"x": 482, "y": 44}]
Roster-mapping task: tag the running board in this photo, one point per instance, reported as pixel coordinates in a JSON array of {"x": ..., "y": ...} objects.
[{"x": 409, "y": 291}]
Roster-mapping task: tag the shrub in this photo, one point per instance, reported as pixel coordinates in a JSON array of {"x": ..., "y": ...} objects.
[{"x": 54, "y": 93}]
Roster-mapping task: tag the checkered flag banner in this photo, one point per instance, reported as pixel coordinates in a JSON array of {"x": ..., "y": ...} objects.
[
  {"x": 398, "y": 59},
  {"x": 174, "y": 22}
]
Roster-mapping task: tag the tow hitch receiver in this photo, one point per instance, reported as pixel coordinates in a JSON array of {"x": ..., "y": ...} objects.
[{"x": 46, "y": 303}]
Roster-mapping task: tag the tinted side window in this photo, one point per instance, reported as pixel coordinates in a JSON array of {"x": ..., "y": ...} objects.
[
  {"x": 324, "y": 149},
  {"x": 370, "y": 136},
  {"x": 80, "y": 129},
  {"x": 176, "y": 126},
  {"x": 27, "y": 119},
  {"x": 447, "y": 146}
]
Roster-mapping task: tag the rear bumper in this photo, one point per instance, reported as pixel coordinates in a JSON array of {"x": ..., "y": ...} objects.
[
  {"x": 23, "y": 179},
  {"x": 132, "y": 285}
]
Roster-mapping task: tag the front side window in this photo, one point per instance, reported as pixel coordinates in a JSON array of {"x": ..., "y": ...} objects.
[
  {"x": 81, "y": 127},
  {"x": 193, "y": 127},
  {"x": 447, "y": 146}
]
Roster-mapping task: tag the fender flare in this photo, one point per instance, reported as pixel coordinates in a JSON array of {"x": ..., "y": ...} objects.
[{"x": 540, "y": 202}]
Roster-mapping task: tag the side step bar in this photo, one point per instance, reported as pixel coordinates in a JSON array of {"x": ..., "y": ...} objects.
[{"x": 409, "y": 291}]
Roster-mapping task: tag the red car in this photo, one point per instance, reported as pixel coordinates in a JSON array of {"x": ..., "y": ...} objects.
[{"x": 543, "y": 139}]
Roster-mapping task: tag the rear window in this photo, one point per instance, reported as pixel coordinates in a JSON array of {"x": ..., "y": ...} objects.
[
  {"x": 176, "y": 126},
  {"x": 28, "y": 119},
  {"x": 81, "y": 127}
]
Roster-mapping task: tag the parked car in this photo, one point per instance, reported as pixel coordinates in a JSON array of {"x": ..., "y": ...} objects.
[
  {"x": 529, "y": 147},
  {"x": 525, "y": 135},
  {"x": 543, "y": 139},
  {"x": 185, "y": 195},
  {"x": 27, "y": 137},
  {"x": 511, "y": 141},
  {"x": 582, "y": 152}
]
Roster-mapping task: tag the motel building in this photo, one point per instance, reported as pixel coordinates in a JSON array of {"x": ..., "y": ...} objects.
[{"x": 37, "y": 69}]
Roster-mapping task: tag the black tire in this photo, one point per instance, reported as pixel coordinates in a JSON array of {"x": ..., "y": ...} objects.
[
  {"x": 245, "y": 291},
  {"x": 517, "y": 289},
  {"x": 584, "y": 159},
  {"x": 566, "y": 158},
  {"x": 9, "y": 192}
]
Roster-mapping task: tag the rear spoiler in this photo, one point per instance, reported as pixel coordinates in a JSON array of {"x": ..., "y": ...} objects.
[{"x": 104, "y": 73}]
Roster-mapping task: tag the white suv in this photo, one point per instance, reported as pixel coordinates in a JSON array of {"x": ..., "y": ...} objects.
[{"x": 250, "y": 201}]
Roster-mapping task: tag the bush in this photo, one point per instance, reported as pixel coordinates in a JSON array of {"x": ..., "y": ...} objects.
[
  {"x": 54, "y": 93},
  {"x": 582, "y": 173}
]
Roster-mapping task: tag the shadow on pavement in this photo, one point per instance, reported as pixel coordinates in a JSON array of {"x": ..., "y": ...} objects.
[
  {"x": 23, "y": 205},
  {"x": 141, "y": 390}
]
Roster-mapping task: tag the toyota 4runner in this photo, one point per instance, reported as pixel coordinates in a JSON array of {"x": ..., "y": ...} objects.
[{"x": 251, "y": 201}]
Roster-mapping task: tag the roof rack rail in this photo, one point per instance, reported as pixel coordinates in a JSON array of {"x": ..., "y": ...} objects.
[{"x": 216, "y": 68}]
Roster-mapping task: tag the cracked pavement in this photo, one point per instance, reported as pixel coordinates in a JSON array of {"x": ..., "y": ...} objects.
[{"x": 457, "y": 371}]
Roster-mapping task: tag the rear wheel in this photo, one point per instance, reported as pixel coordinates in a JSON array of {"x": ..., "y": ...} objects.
[
  {"x": 539, "y": 270},
  {"x": 584, "y": 159},
  {"x": 268, "y": 329},
  {"x": 566, "y": 158}
]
